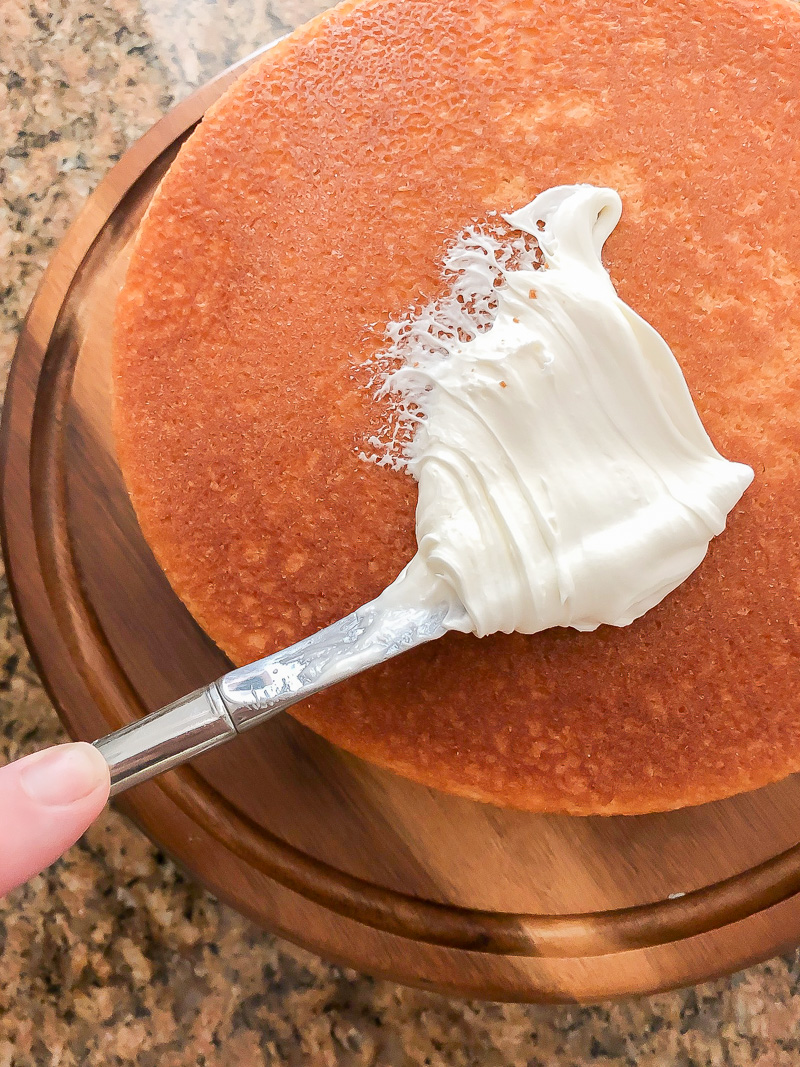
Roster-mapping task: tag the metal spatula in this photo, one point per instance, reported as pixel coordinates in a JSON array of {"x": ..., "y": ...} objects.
[{"x": 245, "y": 697}]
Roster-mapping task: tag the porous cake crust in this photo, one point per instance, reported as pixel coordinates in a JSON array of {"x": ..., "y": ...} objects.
[{"x": 314, "y": 202}]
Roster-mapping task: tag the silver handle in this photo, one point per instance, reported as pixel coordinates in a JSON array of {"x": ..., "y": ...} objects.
[
  {"x": 168, "y": 737},
  {"x": 245, "y": 697}
]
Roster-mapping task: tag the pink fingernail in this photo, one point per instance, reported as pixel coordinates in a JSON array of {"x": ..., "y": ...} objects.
[{"x": 62, "y": 775}]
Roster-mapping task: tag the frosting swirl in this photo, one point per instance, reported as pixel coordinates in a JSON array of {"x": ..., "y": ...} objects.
[{"x": 565, "y": 477}]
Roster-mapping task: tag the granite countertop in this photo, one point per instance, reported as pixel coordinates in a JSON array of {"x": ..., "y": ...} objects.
[{"x": 113, "y": 956}]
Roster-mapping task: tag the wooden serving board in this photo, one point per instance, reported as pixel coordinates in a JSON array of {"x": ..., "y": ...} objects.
[{"x": 349, "y": 860}]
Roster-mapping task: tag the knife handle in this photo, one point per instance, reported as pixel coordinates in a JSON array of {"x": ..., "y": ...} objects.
[{"x": 170, "y": 736}]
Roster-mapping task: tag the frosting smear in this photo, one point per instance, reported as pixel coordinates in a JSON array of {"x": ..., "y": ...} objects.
[{"x": 565, "y": 477}]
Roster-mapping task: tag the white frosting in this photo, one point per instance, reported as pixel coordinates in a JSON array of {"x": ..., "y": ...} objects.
[{"x": 565, "y": 477}]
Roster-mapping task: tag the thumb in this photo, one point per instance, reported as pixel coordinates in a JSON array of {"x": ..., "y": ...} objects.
[{"x": 47, "y": 800}]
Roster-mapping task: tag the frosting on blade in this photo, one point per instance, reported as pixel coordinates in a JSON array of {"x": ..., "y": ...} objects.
[{"x": 565, "y": 477}]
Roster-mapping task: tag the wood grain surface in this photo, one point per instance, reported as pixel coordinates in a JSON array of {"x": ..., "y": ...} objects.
[{"x": 342, "y": 857}]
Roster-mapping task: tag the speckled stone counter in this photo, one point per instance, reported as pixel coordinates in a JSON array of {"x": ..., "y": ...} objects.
[{"x": 112, "y": 956}]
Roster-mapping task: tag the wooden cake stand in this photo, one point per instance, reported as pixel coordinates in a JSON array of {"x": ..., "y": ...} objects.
[{"x": 349, "y": 860}]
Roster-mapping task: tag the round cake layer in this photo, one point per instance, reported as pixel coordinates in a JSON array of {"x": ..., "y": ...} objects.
[{"x": 313, "y": 204}]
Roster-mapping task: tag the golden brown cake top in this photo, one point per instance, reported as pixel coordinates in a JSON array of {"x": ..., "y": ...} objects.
[{"x": 314, "y": 203}]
